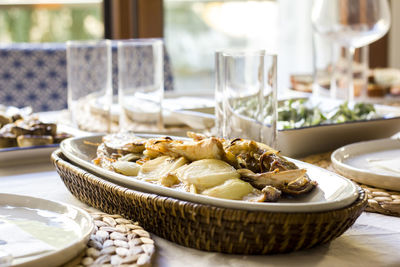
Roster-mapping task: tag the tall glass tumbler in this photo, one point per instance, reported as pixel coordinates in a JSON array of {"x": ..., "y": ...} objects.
[
  {"x": 250, "y": 103},
  {"x": 89, "y": 84},
  {"x": 140, "y": 85},
  {"x": 220, "y": 121}
]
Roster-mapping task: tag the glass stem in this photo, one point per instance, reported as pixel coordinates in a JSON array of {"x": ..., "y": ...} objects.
[
  {"x": 349, "y": 88},
  {"x": 335, "y": 52}
]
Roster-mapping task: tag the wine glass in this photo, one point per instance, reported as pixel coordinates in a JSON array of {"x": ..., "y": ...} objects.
[{"x": 351, "y": 24}]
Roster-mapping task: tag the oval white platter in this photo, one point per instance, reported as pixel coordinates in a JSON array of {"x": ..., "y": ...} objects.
[
  {"x": 64, "y": 228},
  {"x": 375, "y": 163},
  {"x": 333, "y": 191}
]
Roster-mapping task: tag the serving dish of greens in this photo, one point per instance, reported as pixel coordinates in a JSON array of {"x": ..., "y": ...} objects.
[
  {"x": 312, "y": 125},
  {"x": 326, "y": 125},
  {"x": 298, "y": 113}
]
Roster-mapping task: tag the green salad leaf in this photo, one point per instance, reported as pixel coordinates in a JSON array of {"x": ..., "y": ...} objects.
[{"x": 296, "y": 113}]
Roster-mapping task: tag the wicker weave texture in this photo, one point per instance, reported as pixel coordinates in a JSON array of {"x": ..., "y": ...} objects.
[
  {"x": 379, "y": 200},
  {"x": 206, "y": 227},
  {"x": 116, "y": 241}
]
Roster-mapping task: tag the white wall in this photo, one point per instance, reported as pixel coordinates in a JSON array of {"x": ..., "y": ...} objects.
[{"x": 394, "y": 36}]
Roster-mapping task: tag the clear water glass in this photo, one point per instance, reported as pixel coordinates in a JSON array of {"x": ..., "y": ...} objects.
[
  {"x": 219, "y": 97},
  {"x": 140, "y": 85},
  {"x": 249, "y": 95},
  {"x": 89, "y": 82}
]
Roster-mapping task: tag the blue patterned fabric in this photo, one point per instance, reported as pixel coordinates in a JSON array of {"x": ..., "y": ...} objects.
[{"x": 36, "y": 75}]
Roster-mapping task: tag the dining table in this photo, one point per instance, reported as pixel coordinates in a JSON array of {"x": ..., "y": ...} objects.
[{"x": 373, "y": 240}]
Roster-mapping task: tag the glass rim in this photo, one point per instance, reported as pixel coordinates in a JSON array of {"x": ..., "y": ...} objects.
[
  {"x": 88, "y": 43},
  {"x": 244, "y": 52},
  {"x": 140, "y": 41}
]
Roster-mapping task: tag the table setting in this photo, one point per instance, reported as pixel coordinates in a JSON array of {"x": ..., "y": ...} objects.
[{"x": 134, "y": 175}]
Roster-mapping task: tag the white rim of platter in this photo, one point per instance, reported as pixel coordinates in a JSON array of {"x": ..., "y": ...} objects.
[
  {"x": 333, "y": 191},
  {"x": 351, "y": 161},
  {"x": 58, "y": 217}
]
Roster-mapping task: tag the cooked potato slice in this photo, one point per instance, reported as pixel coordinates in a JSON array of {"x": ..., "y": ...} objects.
[
  {"x": 231, "y": 189},
  {"x": 130, "y": 157},
  {"x": 155, "y": 169},
  {"x": 193, "y": 189},
  {"x": 206, "y": 173},
  {"x": 126, "y": 167},
  {"x": 169, "y": 180}
]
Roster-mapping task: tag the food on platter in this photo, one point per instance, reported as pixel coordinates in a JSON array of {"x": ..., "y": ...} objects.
[
  {"x": 303, "y": 112},
  {"x": 301, "y": 82},
  {"x": 381, "y": 81},
  {"x": 27, "y": 130},
  {"x": 295, "y": 113},
  {"x": 376, "y": 90},
  {"x": 237, "y": 169},
  {"x": 386, "y": 76}
]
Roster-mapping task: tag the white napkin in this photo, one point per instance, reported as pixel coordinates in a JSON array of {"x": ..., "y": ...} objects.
[{"x": 18, "y": 243}]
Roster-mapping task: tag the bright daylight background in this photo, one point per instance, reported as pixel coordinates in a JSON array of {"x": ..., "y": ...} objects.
[{"x": 193, "y": 31}]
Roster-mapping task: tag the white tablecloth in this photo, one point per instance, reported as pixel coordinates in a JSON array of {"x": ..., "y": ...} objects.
[{"x": 374, "y": 240}]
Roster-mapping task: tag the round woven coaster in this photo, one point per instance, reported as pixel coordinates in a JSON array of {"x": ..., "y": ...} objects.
[
  {"x": 379, "y": 200},
  {"x": 116, "y": 241}
]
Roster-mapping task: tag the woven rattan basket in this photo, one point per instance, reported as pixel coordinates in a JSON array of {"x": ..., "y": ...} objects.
[{"x": 206, "y": 227}]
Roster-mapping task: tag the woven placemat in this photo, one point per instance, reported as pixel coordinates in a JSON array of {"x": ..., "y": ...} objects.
[
  {"x": 379, "y": 200},
  {"x": 116, "y": 241}
]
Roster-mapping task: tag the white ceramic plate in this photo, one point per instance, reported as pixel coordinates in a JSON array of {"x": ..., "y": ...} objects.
[
  {"x": 25, "y": 155},
  {"x": 170, "y": 104},
  {"x": 196, "y": 118},
  {"x": 65, "y": 228},
  {"x": 333, "y": 191},
  {"x": 375, "y": 163},
  {"x": 11, "y": 156},
  {"x": 309, "y": 140}
]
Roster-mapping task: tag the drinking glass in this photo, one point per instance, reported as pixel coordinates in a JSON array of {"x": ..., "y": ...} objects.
[
  {"x": 249, "y": 89},
  {"x": 351, "y": 24},
  {"x": 89, "y": 83},
  {"x": 219, "y": 96},
  {"x": 330, "y": 67},
  {"x": 140, "y": 84}
]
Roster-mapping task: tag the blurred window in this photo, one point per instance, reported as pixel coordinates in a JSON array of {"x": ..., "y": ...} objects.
[
  {"x": 50, "y": 21},
  {"x": 193, "y": 30}
]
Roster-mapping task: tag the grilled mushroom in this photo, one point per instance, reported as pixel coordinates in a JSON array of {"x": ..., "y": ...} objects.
[
  {"x": 33, "y": 127},
  {"x": 123, "y": 144},
  {"x": 4, "y": 120},
  {"x": 7, "y": 140},
  {"x": 271, "y": 193},
  {"x": 292, "y": 182},
  {"x": 34, "y": 140}
]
